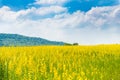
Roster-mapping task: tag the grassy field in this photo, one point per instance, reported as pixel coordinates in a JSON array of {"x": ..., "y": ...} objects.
[{"x": 100, "y": 62}]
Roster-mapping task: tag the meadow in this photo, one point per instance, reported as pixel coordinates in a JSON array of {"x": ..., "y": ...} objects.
[{"x": 101, "y": 62}]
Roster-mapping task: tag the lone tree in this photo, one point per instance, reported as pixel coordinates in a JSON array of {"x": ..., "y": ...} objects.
[{"x": 75, "y": 44}]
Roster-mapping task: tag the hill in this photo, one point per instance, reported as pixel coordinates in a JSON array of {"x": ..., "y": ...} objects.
[{"x": 20, "y": 40}]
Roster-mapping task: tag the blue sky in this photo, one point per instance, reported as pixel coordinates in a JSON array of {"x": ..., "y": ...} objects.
[
  {"x": 85, "y": 5},
  {"x": 82, "y": 21},
  {"x": 72, "y": 5},
  {"x": 16, "y": 4}
]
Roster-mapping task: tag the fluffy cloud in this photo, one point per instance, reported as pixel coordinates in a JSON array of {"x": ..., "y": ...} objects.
[
  {"x": 98, "y": 25},
  {"x": 7, "y": 14},
  {"x": 50, "y": 2}
]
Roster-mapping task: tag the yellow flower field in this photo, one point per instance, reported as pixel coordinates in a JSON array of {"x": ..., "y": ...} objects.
[{"x": 100, "y": 62}]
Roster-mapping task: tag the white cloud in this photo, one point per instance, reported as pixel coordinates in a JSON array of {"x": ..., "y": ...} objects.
[
  {"x": 50, "y": 10},
  {"x": 99, "y": 25},
  {"x": 7, "y": 15},
  {"x": 50, "y": 2}
]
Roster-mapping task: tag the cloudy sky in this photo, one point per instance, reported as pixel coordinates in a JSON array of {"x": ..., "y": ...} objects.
[{"x": 82, "y": 21}]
